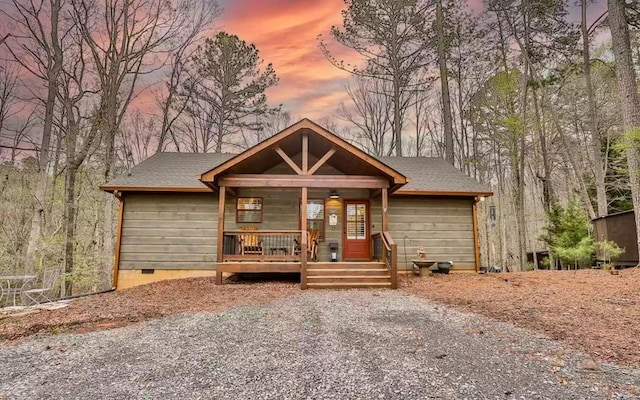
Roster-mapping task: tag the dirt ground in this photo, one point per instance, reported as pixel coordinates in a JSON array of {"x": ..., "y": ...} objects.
[
  {"x": 114, "y": 309},
  {"x": 591, "y": 310}
]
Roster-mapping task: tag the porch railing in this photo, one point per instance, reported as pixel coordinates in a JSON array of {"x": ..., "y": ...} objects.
[
  {"x": 386, "y": 250},
  {"x": 262, "y": 245}
]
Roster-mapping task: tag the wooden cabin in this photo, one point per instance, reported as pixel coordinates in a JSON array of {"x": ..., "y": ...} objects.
[
  {"x": 621, "y": 229},
  {"x": 302, "y": 201}
]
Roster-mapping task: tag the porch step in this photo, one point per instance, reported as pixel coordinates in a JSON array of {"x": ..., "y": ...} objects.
[
  {"x": 348, "y": 285},
  {"x": 326, "y": 272},
  {"x": 348, "y": 279},
  {"x": 346, "y": 275},
  {"x": 346, "y": 265}
]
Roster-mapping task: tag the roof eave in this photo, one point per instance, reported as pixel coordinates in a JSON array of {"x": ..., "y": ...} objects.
[
  {"x": 183, "y": 189},
  {"x": 405, "y": 192}
]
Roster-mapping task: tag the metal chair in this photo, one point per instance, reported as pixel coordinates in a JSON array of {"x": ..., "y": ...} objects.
[{"x": 40, "y": 294}]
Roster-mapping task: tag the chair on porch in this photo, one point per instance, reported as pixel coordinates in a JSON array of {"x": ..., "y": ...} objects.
[
  {"x": 250, "y": 243},
  {"x": 313, "y": 236}
]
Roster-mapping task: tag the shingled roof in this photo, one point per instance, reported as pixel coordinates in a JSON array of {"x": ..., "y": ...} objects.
[
  {"x": 432, "y": 174},
  {"x": 178, "y": 170}
]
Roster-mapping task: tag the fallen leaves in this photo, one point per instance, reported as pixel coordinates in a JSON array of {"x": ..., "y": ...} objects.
[
  {"x": 121, "y": 308},
  {"x": 590, "y": 309}
]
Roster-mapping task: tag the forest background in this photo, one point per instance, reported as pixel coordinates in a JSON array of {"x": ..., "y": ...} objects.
[{"x": 538, "y": 99}]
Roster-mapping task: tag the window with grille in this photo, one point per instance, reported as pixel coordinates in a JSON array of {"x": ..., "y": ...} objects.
[
  {"x": 315, "y": 216},
  {"x": 249, "y": 209},
  {"x": 356, "y": 221}
]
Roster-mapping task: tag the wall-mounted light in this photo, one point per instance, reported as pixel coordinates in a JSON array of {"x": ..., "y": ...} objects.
[{"x": 334, "y": 194}]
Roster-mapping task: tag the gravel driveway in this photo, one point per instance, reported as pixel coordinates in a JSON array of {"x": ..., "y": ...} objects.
[{"x": 313, "y": 345}]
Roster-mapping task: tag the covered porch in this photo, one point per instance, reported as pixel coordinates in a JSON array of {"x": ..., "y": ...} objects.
[{"x": 295, "y": 204}]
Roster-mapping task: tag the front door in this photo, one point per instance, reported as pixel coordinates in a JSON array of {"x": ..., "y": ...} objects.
[{"x": 356, "y": 243}]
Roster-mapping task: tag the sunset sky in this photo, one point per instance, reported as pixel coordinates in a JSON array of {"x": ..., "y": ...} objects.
[{"x": 285, "y": 32}]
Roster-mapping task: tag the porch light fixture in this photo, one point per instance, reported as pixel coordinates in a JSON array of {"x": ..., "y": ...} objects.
[{"x": 334, "y": 194}]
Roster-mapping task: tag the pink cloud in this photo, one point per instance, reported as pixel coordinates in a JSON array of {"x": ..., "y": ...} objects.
[{"x": 285, "y": 33}]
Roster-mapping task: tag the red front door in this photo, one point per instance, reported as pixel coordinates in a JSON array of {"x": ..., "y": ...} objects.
[{"x": 355, "y": 239}]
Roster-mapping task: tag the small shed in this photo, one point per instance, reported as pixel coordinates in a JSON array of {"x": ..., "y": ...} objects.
[{"x": 621, "y": 229}]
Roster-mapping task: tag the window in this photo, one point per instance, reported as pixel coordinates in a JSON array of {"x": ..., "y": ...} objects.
[
  {"x": 315, "y": 216},
  {"x": 356, "y": 221},
  {"x": 249, "y": 209}
]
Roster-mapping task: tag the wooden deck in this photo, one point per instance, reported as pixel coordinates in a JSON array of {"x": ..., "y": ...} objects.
[
  {"x": 258, "y": 267},
  {"x": 321, "y": 275},
  {"x": 275, "y": 252}
]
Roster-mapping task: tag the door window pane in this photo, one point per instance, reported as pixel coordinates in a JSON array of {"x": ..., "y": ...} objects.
[{"x": 356, "y": 221}]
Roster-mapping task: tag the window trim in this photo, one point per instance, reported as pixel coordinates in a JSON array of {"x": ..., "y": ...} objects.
[{"x": 261, "y": 209}]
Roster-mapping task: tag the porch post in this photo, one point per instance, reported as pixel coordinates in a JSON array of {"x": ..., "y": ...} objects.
[
  {"x": 304, "y": 239},
  {"x": 476, "y": 243},
  {"x": 305, "y": 154},
  {"x": 385, "y": 208},
  {"x": 303, "y": 214},
  {"x": 221, "y": 202}
]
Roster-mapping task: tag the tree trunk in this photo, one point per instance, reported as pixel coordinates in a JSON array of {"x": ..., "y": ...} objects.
[
  {"x": 569, "y": 156},
  {"x": 444, "y": 82},
  {"x": 38, "y": 216},
  {"x": 110, "y": 122},
  {"x": 107, "y": 233},
  {"x": 547, "y": 192},
  {"x": 628, "y": 94},
  {"x": 397, "y": 121},
  {"x": 520, "y": 172},
  {"x": 70, "y": 225},
  {"x": 596, "y": 145}
]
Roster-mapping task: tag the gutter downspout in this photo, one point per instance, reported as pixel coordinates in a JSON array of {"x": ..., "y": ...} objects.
[{"x": 116, "y": 260}]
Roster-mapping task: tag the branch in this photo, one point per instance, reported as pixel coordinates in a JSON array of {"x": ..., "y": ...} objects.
[{"x": 17, "y": 148}]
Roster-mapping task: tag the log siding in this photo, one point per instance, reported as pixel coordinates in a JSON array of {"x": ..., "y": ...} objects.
[
  {"x": 169, "y": 231},
  {"x": 443, "y": 227},
  {"x": 179, "y": 230}
]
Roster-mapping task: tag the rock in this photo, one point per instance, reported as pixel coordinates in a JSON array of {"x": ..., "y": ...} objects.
[{"x": 589, "y": 365}]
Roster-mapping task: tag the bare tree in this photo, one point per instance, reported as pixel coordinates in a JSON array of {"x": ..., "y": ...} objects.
[
  {"x": 269, "y": 125},
  {"x": 444, "y": 84},
  {"x": 389, "y": 35},
  {"x": 172, "y": 106},
  {"x": 135, "y": 139},
  {"x": 9, "y": 105},
  {"x": 80, "y": 136},
  {"x": 126, "y": 40},
  {"x": 9, "y": 101},
  {"x": 19, "y": 134},
  {"x": 370, "y": 112},
  {"x": 37, "y": 48},
  {"x": 596, "y": 138},
  {"x": 628, "y": 93}
]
